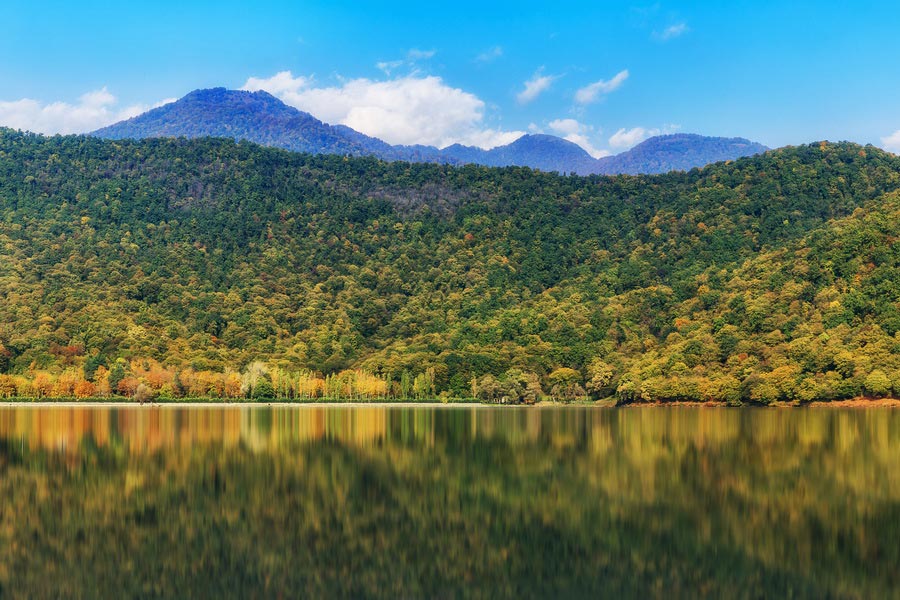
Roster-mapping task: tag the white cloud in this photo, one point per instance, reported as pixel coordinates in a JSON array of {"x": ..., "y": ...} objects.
[
  {"x": 535, "y": 86},
  {"x": 490, "y": 55},
  {"x": 93, "y": 110},
  {"x": 164, "y": 102},
  {"x": 584, "y": 142},
  {"x": 413, "y": 109},
  {"x": 489, "y": 138},
  {"x": 280, "y": 84},
  {"x": 565, "y": 126},
  {"x": 672, "y": 31},
  {"x": 891, "y": 143},
  {"x": 626, "y": 138},
  {"x": 577, "y": 133},
  {"x": 590, "y": 93}
]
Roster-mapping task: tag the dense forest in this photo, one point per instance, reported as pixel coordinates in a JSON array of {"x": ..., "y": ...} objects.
[{"x": 207, "y": 267}]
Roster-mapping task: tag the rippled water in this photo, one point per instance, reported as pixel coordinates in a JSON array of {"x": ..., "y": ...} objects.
[{"x": 392, "y": 501}]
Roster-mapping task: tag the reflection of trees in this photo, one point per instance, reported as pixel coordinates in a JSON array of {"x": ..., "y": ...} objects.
[{"x": 500, "y": 502}]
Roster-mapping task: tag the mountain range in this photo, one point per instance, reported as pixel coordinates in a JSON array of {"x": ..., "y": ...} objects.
[{"x": 264, "y": 119}]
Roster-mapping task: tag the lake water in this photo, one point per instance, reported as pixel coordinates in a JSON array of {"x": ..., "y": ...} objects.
[{"x": 375, "y": 501}]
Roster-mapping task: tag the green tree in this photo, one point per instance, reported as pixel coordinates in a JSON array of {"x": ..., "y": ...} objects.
[
  {"x": 116, "y": 375},
  {"x": 878, "y": 384},
  {"x": 600, "y": 375},
  {"x": 565, "y": 384},
  {"x": 263, "y": 390}
]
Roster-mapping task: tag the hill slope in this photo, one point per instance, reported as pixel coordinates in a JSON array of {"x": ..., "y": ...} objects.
[
  {"x": 190, "y": 256},
  {"x": 261, "y": 118}
]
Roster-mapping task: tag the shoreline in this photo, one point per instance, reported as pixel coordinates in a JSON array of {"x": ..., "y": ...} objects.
[
  {"x": 855, "y": 403},
  {"x": 209, "y": 404},
  {"x": 859, "y": 403},
  {"x": 851, "y": 403}
]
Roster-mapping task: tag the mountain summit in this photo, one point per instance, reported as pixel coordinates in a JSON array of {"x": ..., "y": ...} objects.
[
  {"x": 254, "y": 116},
  {"x": 264, "y": 119},
  {"x": 538, "y": 151}
]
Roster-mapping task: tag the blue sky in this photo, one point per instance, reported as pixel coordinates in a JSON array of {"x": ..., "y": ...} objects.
[{"x": 604, "y": 74}]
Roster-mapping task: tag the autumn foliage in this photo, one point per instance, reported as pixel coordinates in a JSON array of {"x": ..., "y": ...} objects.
[{"x": 206, "y": 268}]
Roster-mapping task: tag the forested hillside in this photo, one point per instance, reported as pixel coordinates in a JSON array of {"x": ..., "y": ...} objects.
[{"x": 208, "y": 267}]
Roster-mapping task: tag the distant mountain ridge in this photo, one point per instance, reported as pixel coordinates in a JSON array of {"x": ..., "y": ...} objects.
[
  {"x": 677, "y": 152},
  {"x": 539, "y": 151},
  {"x": 264, "y": 119}
]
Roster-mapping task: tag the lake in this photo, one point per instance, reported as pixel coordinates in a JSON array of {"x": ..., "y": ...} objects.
[{"x": 401, "y": 501}]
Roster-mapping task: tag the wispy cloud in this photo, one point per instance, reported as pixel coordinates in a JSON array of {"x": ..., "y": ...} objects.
[
  {"x": 578, "y": 133},
  {"x": 388, "y": 66},
  {"x": 412, "y": 109},
  {"x": 672, "y": 32},
  {"x": 490, "y": 55},
  {"x": 416, "y": 54},
  {"x": 892, "y": 142},
  {"x": 93, "y": 110},
  {"x": 534, "y": 87},
  {"x": 591, "y": 93},
  {"x": 413, "y": 56}
]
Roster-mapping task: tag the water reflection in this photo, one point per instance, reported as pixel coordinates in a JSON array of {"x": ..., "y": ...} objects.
[
  {"x": 459, "y": 501},
  {"x": 639, "y": 431}
]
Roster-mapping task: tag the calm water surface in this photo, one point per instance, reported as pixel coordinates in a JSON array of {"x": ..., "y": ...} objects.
[{"x": 375, "y": 501}]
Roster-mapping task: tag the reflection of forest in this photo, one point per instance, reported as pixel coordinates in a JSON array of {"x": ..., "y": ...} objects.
[
  {"x": 639, "y": 432},
  {"x": 406, "y": 501}
]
